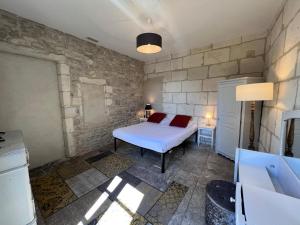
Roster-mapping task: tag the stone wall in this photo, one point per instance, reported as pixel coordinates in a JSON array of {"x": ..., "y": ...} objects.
[
  {"x": 282, "y": 68},
  {"x": 104, "y": 73},
  {"x": 186, "y": 82}
]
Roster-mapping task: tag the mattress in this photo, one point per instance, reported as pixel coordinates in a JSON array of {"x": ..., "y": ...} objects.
[{"x": 153, "y": 136}]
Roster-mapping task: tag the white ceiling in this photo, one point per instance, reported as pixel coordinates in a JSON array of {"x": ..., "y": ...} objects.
[{"x": 183, "y": 24}]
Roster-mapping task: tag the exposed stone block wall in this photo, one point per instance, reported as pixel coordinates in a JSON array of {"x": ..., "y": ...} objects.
[
  {"x": 282, "y": 68},
  {"x": 119, "y": 77},
  {"x": 188, "y": 80}
]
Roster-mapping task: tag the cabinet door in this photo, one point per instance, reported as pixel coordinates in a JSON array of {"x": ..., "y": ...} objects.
[{"x": 228, "y": 123}]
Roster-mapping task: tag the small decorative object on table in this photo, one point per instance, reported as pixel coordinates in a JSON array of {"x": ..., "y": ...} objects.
[
  {"x": 220, "y": 203},
  {"x": 206, "y": 135},
  {"x": 148, "y": 109}
]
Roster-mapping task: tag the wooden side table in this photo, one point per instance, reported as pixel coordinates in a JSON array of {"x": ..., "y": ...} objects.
[{"x": 206, "y": 135}]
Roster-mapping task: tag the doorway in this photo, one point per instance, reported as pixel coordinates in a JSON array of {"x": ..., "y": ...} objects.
[{"x": 30, "y": 102}]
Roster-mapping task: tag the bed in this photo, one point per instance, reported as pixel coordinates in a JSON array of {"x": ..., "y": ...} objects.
[{"x": 158, "y": 137}]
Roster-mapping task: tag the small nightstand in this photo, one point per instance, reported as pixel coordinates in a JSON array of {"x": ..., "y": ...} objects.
[
  {"x": 143, "y": 119},
  {"x": 206, "y": 135}
]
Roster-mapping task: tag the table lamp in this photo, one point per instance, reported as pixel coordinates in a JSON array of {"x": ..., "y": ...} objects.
[
  {"x": 254, "y": 92},
  {"x": 208, "y": 116},
  {"x": 148, "y": 109}
]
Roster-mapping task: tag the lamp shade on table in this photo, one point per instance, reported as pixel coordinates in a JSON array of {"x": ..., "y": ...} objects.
[{"x": 148, "y": 107}]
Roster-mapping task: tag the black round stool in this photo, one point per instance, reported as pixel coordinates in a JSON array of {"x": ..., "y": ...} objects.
[{"x": 219, "y": 210}]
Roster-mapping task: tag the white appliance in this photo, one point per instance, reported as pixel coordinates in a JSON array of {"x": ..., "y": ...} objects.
[
  {"x": 233, "y": 121},
  {"x": 267, "y": 189},
  {"x": 16, "y": 201}
]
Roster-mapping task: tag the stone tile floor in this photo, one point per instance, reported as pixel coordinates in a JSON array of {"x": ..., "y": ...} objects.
[{"x": 138, "y": 193}]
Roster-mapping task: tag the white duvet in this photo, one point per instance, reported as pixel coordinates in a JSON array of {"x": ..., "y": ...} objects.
[{"x": 157, "y": 137}]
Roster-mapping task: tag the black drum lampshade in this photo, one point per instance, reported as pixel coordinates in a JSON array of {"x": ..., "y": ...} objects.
[{"x": 148, "y": 43}]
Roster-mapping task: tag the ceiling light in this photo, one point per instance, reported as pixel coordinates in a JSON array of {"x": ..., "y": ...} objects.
[{"x": 148, "y": 43}]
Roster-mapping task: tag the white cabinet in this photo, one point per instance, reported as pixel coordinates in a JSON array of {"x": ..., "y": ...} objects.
[
  {"x": 233, "y": 121},
  {"x": 17, "y": 205}
]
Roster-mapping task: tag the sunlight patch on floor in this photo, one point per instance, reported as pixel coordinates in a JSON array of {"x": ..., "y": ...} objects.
[
  {"x": 115, "y": 182},
  {"x": 130, "y": 197},
  {"x": 115, "y": 215},
  {"x": 119, "y": 212},
  {"x": 96, "y": 206}
]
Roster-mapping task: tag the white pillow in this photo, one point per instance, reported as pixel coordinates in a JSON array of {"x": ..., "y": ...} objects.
[{"x": 167, "y": 120}]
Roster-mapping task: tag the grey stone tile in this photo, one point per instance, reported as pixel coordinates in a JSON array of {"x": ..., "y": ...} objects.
[
  {"x": 151, "y": 175},
  {"x": 39, "y": 218},
  {"x": 151, "y": 196},
  {"x": 83, "y": 210},
  {"x": 91, "y": 154},
  {"x": 178, "y": 216},
  {"x": 166, "y": 206},
  {"x": 185, "y": 201},
  {"x": 185, "y": 178},
  {"x": 193, "y": 219},
  {"x": 126, "y": 148},
  {"x": 97, "y": 157},
  {"x": 86, "y": 181},
  {"x": 177, "y": 219},
  {"x": 197, "y": 202}
]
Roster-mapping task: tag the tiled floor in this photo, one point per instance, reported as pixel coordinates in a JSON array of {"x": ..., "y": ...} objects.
[{"x": 124, "y": 188}]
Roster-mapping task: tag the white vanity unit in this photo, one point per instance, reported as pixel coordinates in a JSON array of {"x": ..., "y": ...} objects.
[
  {"x": 267, "y": 189},
  {"x": 16, "y": 201}
]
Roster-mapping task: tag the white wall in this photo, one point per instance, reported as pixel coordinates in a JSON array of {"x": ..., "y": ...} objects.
[
  {"x": 189, "y": 79},
  {"x": 282, "y": 68}
]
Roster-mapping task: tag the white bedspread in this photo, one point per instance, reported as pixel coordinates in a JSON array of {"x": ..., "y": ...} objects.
[{"x": 157, "y": 137}]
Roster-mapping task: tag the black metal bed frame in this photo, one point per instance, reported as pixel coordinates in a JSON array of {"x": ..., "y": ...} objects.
[{"x": 162, "y": 155}]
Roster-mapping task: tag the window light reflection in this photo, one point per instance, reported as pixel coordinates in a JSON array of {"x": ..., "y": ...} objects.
[
  {"x": 96, "y": 206},
  {"x": 114, "y": 183},
  {"x": 130, "y": 197},
  {"x": 115, "y": 215}
]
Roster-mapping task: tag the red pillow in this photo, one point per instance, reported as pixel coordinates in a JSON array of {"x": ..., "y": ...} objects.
[
  {"x": 156, "y": 117},
  {"x": 180, "y": 121}
]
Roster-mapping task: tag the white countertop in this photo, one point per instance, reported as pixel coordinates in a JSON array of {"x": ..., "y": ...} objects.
[{"x": 12, "y": 151}]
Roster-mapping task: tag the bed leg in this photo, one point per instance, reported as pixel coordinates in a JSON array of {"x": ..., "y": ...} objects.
[
  {"x": 196, "y": 136},
  {"x": 142, "y": 151},
  {"x": 115, "y": 144},
  {"x": 163, "y": 162}
]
